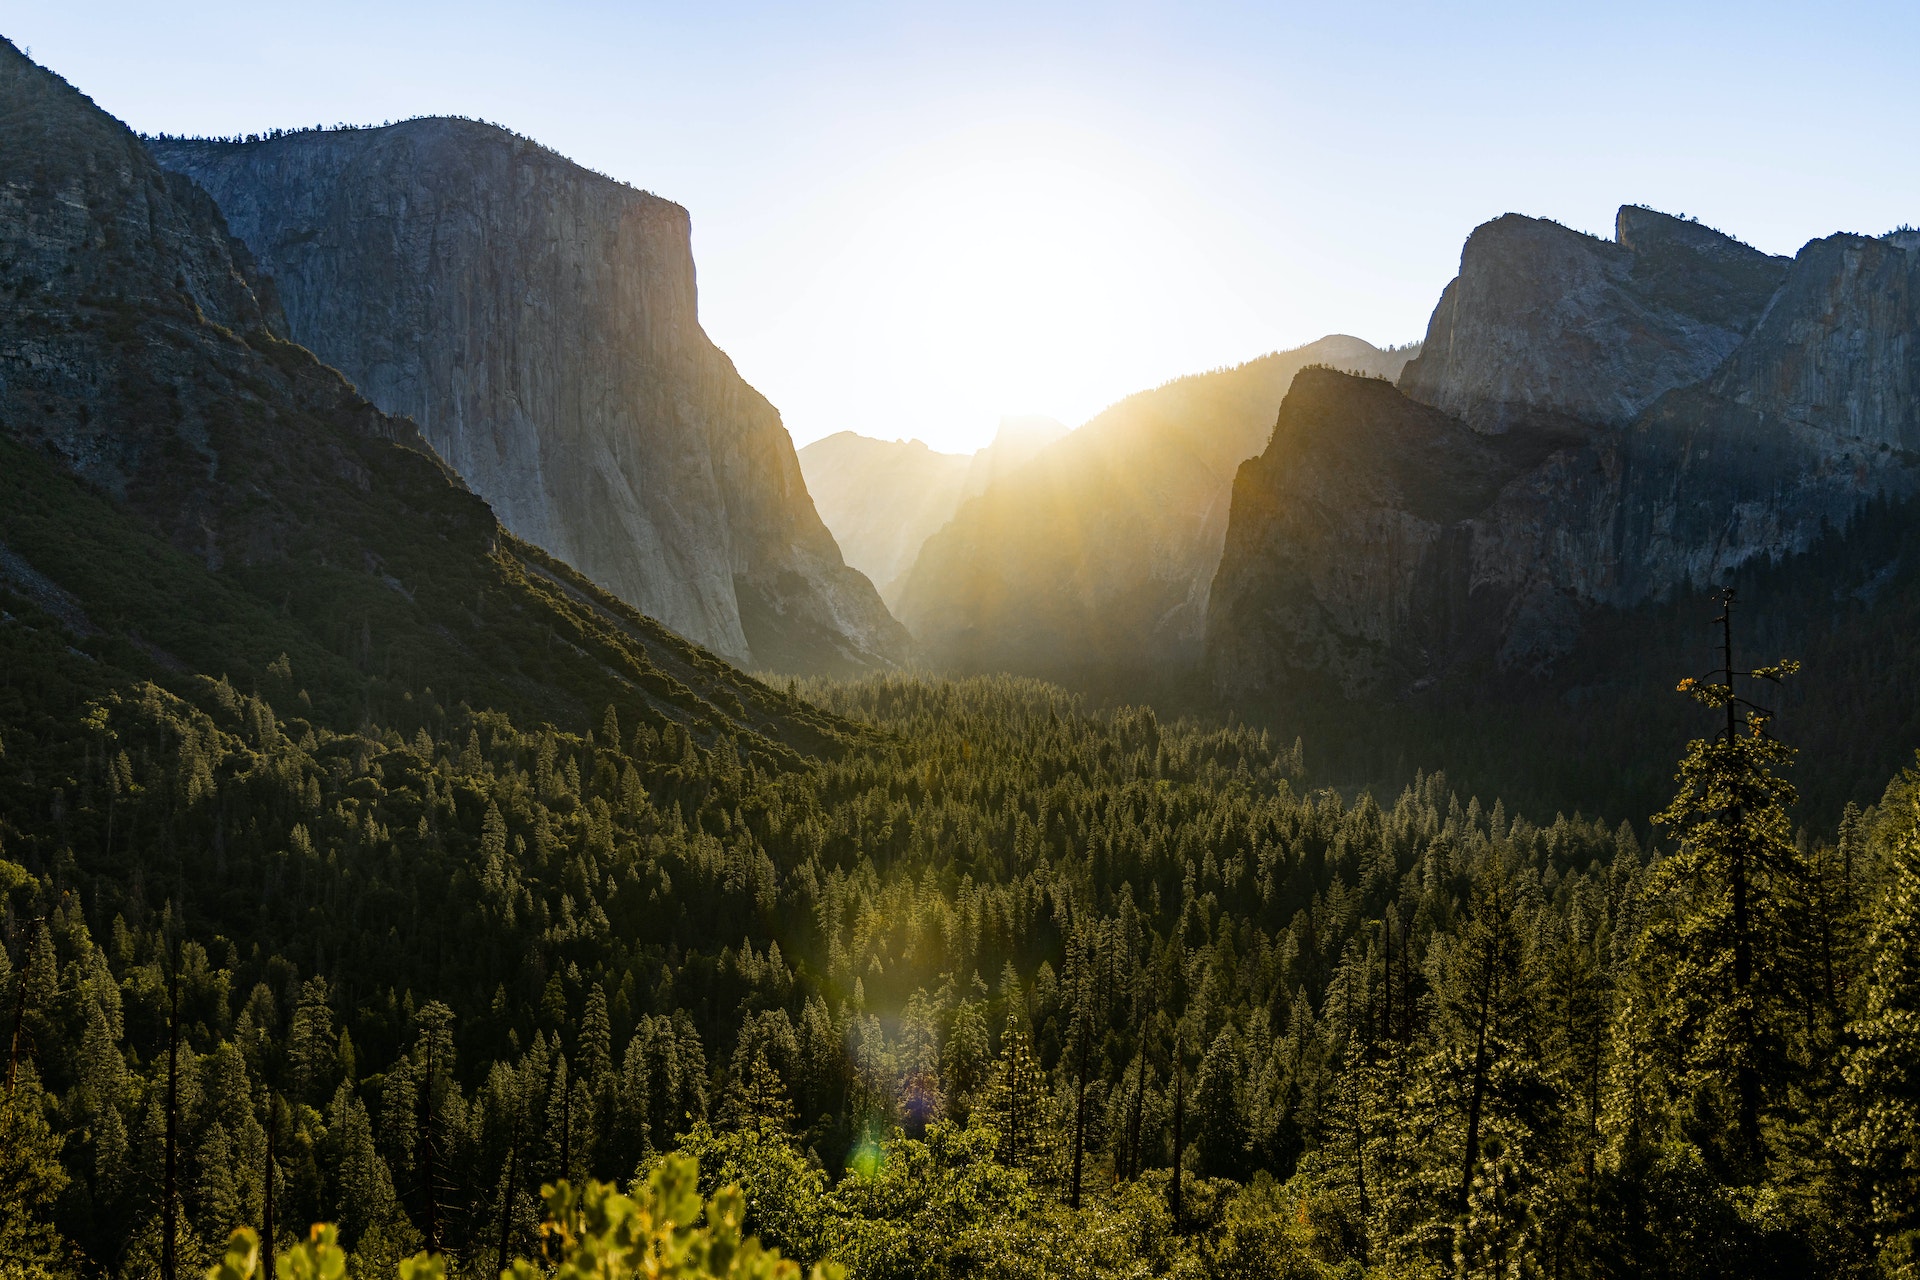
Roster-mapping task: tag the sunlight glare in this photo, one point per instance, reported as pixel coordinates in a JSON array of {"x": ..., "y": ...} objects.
[{"x": 1020, "y": 269}]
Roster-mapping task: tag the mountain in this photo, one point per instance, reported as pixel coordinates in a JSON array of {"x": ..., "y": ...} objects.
[
  {"x": 1585, "y": 444},
  {"x": 538, "y": 322},
  {"x": 1544, "y": 322},
  {"x": 884, "y": 498},
  {"x": 1097, "y": 555},
  {"x": 190, "y": 499}
]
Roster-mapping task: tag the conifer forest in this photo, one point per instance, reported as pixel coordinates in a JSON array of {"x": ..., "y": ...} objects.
[{"x": 996, "y": 984}]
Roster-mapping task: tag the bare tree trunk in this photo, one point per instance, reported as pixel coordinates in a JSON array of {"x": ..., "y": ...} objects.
[
  {"x": 427, "y": 1172},
  {"x": 506, "y": 1196},
  {"x": 266, "y": 1208}
]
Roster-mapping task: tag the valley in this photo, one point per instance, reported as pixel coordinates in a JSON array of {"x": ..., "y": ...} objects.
[{"x": 462, "y": 766}]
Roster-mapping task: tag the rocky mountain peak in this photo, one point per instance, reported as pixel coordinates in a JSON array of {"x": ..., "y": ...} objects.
[{"x": 1549, "y": 324}]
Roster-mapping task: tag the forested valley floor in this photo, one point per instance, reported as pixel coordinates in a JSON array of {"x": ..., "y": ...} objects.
[{"x": 1001, "y": 986}]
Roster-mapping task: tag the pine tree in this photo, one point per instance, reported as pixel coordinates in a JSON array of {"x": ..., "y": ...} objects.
[
  {"x": 1219, "y": 1121},
  {"x": 434, "y": 1050},
  {"x": 1723, "y": 890},
  {"x": 1883, "y": 1070},
  {"x": 31, "y": 1178},
  {"x": 1485, "y": 999},
  {"x": 363, "y": 1186},
  {"x": 1014, "y": 1099},
  {"x": 757, "y": 1098},
  {"x": 312, "y": 1043}
]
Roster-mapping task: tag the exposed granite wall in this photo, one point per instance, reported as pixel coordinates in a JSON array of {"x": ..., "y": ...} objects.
[{"x": 538, "y": 322}]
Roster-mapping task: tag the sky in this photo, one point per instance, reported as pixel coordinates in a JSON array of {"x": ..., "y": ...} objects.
[{"x": 910, "y": 220}]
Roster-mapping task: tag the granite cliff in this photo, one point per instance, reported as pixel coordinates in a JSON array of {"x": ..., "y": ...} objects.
[
  {"x": 1676, "y": 423},
  {"x": 1584, "y": 441},
  {"x": 1096, "y": 556},
  {"x": 1351, "y": 551},
  {"x": 884, "y": 498},
  {"x": 187, "y": 497},
  {"x": 538, "y": 322},
  {"x": 1544, "y": 323}
]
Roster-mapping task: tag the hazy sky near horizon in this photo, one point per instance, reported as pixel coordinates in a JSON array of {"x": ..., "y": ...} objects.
[{"x": 912, "y": 219}]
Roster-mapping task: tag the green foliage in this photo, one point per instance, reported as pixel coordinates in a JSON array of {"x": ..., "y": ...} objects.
[
  {"x": 1883, "y": 1069},
  {"x": 447, "y": 958},
  {"x": 592, "y": 1232},
  {"x": 31, "y": 1180},
  {"x": 1723, "y": 890}
]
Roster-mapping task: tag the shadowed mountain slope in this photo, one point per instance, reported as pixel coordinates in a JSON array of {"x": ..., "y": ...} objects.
[
  {"x": 186, "y": 493},
  {"x": 1517, "y": 523},
  {"x": 539, "y": 322}
]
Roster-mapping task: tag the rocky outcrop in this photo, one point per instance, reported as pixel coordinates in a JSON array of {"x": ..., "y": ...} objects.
[
  {"x": 1097, "y": 556},
  {"x": 1837, "y": 352},
  {"x": 1804, "y": 407},
  {"x": 884, "y": 498},
  {"x": 1544, "y": 323},
  {"x": 538, "y": 322}
]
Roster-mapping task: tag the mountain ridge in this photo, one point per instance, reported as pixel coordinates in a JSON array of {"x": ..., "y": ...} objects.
[{"x": 883, "y": 499}]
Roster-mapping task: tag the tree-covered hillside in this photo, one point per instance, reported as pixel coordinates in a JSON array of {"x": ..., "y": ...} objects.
[{"x": 959, "y": 999}]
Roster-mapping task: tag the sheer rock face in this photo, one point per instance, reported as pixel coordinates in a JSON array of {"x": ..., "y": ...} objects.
[
  {"x": 1337, "y": 568},
  {"x": 139, "y": 353},
  {"x": 538, "y": 322},
  {"x": 1095, "y": 558},
  {"x": 1837, "y": 353},
  {"x": 1545, "y": 323}
]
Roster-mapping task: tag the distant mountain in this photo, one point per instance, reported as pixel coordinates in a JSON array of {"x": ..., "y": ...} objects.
[
  {"x": 538, "y": 322},
  {"x": 189, "y": 498},
  {"x": 884, "y": 498},
  {"x": 1594, "y": 433},
  {"x": 1097, "y": 555}
]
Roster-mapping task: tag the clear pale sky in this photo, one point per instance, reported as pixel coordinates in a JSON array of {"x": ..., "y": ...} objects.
[{"x": 910, "y": 220}]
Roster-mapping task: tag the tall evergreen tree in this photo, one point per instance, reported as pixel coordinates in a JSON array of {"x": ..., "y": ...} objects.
[{"x": 1722, "y": 893}]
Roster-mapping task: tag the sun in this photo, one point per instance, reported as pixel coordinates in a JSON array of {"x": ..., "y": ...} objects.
[{"x": 1017, "y": 268}]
